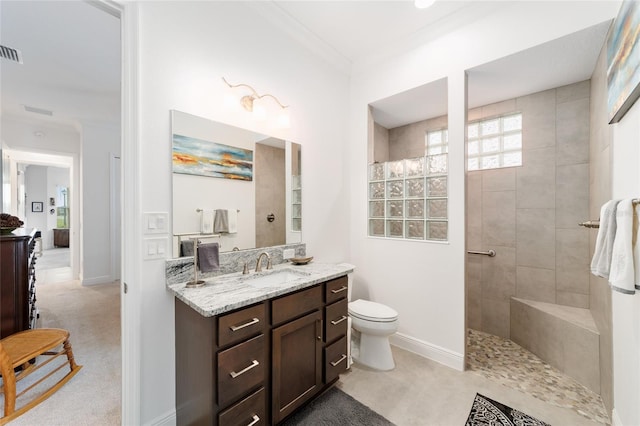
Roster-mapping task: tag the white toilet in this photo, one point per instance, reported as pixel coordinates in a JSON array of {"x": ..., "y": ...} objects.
[{"x": 375, "y": 322}]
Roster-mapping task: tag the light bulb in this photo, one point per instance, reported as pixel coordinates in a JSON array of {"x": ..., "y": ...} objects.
[
  {"x": 284, "y": 121},
  {"x": 231, "y": 102},
  {"x": 259, "y": 113}
]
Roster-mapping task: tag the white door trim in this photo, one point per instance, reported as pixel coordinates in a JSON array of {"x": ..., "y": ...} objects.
[
  {"x": 131, "y": 223},
  {"x": 130, "y": 207},
  {"x": 115, "y": 214}
]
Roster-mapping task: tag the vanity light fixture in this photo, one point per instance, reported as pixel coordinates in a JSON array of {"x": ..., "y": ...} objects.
[
  {"x": 248, "y": 103},
  {"x": 423, "y": 4}
]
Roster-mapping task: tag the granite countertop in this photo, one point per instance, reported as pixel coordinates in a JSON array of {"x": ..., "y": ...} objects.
[{"x": 225, "y": 293}]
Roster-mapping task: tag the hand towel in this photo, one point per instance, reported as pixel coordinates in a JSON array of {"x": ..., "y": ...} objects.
[
  {"x": 232, "y": 216},
  {"x": 221, "y": 221},
  {"x": 186, "y": 248},
  {"x": 601, "y": 261},
  {"x": 622, "y": 274},
  {"x": 206, "y": 222},
  {"x": 208, "y": 259}
]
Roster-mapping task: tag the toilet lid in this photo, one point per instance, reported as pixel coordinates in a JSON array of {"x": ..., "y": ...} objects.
[{"x": 372, "y": 311}]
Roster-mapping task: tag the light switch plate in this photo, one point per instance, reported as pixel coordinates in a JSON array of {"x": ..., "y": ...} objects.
[
  {"x": 155, "y": 222},
  {"x": 288, "y": 253},
  {"x": 154, "y": 248}
]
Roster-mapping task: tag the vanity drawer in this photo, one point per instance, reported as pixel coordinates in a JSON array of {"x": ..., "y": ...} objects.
[
  {"x": 239, "y": 325},
  {"x": 335, "y": 320},
  {"x": 294, "y": 305},
  {"x": 336, "y": 289},
  {"x": 250, "y": 411},
  {"x": 335, "y": 359},
  {"x": 240, "y": 369}
]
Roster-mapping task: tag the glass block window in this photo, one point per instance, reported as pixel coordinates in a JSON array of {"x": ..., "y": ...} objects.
[
  {"x": 495, "y": 143},
  {"x": 408, "y": 198}
]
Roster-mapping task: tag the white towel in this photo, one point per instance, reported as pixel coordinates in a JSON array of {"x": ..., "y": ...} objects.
[
  {"x": 226, "y": 221},
  {"x": 232, "y": 216},
  {"x": 623, "y": 275},
  {"x": 206, "y": 222},
  {"x": 601, "y": 261}
]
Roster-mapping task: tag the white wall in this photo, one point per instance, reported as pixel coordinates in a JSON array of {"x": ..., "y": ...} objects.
[
  {"x": 56, "y": 177},
  {"x": 424, "y": 281},
  {"x": 184, "y": 51},
  {"x": 35, "y": 183},
  {"x": 40, "y": 185},
  {"x": 99, "y": 141},
  {"x": 626, "y": 308},
  {"x": 58, "y": 145}
]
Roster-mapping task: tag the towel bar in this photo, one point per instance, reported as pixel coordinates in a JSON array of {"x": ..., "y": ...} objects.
[
  {"x": 596, "y": 223},
  {"x": 490, "y": 253},
  {"x": 590, "y": 224}
]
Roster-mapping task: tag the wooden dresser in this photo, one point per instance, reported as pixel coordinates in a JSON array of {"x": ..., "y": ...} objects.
[{"x": 18, "y": 282}]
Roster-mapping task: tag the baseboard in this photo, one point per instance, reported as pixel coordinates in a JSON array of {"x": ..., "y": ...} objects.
[
  {"x": 428, "y": 350},
  {"x": 615, "y": 419},
  {"x": 104, "y": 279},
  {"x": 168, "y": 419}
]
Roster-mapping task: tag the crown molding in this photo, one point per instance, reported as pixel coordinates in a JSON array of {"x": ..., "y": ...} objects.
[{"x": 282, "y": 20}]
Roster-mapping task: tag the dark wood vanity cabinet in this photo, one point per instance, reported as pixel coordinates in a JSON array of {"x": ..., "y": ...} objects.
[
  {"x": 18, "y": 282},
  {"x": 258, "y": 364}
]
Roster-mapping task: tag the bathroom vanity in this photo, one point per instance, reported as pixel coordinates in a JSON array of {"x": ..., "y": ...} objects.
[{"x": 252, "y": 349}]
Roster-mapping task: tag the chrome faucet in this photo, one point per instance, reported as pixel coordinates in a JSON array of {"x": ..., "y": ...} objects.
[{"x": 259, "y": 266}]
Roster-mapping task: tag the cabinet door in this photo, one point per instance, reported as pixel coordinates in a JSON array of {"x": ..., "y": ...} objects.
[{"x": 297, "y": 363}]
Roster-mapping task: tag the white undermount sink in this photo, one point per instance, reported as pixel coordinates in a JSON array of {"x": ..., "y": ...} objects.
[{"x": 275, "y": 278}]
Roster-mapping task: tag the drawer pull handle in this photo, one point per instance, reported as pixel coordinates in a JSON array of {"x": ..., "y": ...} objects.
[
  {"x": 336, "y": 322},
  {"x": 339, "y": 290},
  {"x": 254, "y": 363},
  {"x": 255, "y": 419},
  {"x": 335, "y": 363},
  {"x": 246, "y": 324}
]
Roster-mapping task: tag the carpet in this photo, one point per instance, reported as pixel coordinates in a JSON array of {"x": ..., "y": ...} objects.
[
  {"x": 335, "y": 408},
  {"x": 486, "y": 411}
]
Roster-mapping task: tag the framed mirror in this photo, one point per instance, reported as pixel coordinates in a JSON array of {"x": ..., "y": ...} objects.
[{"x": 233, "y": 186}]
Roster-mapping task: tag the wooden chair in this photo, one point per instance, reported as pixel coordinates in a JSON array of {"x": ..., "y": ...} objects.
[{"x": 18, "y": 351}]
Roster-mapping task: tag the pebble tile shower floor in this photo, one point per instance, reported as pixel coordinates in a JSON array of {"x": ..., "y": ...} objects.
[{"x": 509, "y": 364}]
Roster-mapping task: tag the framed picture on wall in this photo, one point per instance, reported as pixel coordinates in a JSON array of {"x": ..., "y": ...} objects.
[
  {"x": 37, "y": 206},
  {"x": 623, "y": 55}
]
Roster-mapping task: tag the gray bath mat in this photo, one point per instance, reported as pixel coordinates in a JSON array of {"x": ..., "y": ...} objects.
[{"x": 336, "y": 408}]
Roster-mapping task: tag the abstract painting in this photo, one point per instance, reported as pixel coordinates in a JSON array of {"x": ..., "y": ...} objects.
[
  {"x": 623, "y": 59},
  {"x": 205, "y": 158}
]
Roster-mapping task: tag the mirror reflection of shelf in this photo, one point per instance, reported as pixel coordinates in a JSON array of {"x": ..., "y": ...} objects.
[{"x": 296, "y": 203}]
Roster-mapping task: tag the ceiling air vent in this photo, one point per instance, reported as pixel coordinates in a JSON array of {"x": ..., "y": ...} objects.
[
  {"x": 37, "y": 110},
  {"x": 11, "y": 54}
]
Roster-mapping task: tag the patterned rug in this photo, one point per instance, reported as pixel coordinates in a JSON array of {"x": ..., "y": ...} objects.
[{"x": 485, "y": 411}]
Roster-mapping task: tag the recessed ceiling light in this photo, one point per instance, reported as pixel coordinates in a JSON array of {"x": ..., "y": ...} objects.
[{"x": 423, "y": 4}]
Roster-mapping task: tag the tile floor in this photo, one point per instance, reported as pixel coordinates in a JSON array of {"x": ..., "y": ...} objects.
[
  {"x": 507, "y": 363},
  {"x": 423, "y": 392}
]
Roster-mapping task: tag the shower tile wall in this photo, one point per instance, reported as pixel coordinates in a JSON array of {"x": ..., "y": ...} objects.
[
  {"x": 600, "y": 192},
  {"x": 529, "y": 214}
]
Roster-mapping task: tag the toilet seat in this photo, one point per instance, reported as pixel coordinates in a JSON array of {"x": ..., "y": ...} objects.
[{"x": 372, "y": 311}]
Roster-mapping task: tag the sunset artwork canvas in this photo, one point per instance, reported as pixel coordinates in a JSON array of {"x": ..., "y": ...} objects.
[
  {"x": 623, "y": 58},
  {"x": 205, "y": 158}
]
